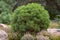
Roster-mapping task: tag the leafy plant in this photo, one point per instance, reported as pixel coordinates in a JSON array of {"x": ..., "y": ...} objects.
[
  {"x": 31, "y": 17},
  {"x": 5, "y": 11}
]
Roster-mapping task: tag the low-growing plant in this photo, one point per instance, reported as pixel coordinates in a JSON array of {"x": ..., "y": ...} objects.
[
  {"x": 27, "y": 37},
  {"x": 54, "y": 37}
]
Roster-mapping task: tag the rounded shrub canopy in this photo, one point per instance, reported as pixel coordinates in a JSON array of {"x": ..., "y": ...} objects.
[{"x": 31, "y": 17}]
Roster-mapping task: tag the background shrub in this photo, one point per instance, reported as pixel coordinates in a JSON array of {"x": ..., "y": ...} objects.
[
  {"x": 32, "y": 17},
  {"x": 5, "y": 11}
]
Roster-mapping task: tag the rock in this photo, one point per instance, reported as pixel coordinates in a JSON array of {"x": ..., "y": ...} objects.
[
  {"x": 5, "y": 28},
  {"x": 27, "y": 37},
  {"x": 54, "y": 31},
  {"x": 41, "y": 37},
  {"x": 3, "y": 25},
  {"x": 55, "y": 36},
  {"x": 3, "y": 35},
  {"x": 51, "y": 30}
]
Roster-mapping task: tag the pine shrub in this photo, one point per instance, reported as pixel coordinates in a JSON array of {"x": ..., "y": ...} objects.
[{"x": 31, "y": 17}]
